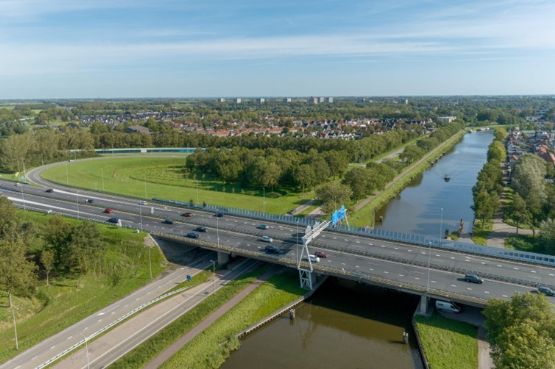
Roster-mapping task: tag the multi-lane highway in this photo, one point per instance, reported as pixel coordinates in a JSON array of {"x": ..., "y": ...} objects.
[{"x": 397, "y": 265}]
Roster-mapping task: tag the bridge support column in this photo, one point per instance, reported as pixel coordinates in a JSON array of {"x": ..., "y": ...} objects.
[
  {"x": 307, "y": 279},
  {"x": 223, "y": 258},
  {"x": 424, "y": 305}
]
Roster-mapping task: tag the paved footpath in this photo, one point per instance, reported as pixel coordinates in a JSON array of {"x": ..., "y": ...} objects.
[
  {"x": 123, "y": 338},
  {"x": 208, "y": 321}
]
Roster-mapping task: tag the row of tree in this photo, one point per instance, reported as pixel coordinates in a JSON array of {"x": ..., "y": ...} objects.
[
  {"x": 489, "y": 185},
  {"x": 270, "y": 168}
]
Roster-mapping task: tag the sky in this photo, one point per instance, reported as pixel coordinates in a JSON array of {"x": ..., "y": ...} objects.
[{"x": 212, "y": 48}]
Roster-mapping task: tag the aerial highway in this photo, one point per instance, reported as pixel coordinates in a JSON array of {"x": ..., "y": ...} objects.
[{"x": 393, "y": 264}]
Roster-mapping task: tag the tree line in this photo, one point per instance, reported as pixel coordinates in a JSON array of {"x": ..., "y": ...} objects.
[
  {"x": 361, "y": 181},
  {"x": 489, "y": 185}
]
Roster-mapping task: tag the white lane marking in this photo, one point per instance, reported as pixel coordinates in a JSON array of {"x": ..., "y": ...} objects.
[
  {"x": 532, "y": 271},
  {"x": 483, "y": 263},
  {"x": 396, "y": 248},
  {"x": 423, "y": 252},
  {"x": 551, "y": 275},
  {"x": 346, "y": 239},
  {"x": 401, "y": 275},
  {"x": 370, "y": 243},
  {"x": 468, "y": 288},
  {"x": 453, "y": 285},
  {"x": 486, "y": 292},
  {"x": 515, "y": 268},
  {"x": 409, "y": 250},
  {"x": 356, "y": 266},
  {"x": 52, "y": 347},
  {"x": 433, "y": 281},
  {"x": 370, "y": 268},
  {"x": 70, "y": 337},
  {"x": 382, "y": 246},
  {"x": 357, "y": 241},
  {"x": 452, "y": 258},
  {"x": 99, "y": 320},
  {"x": 499, "y": 265},
  {"x": 417, "y": 278},
  {"x": 386, "y": 272},
  {"x": 335, "y": 238},
  {"x": 504, "y": 296},
  {"x": 102, "y": 313}
]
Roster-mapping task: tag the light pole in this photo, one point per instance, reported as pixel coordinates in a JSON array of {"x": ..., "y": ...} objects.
[
  {"x": 218, "y": 230},
  {"x": 14, "y": 322},
  {"x": 429, "y": 261},
  {"x": 145, "y": 183},
  {"x": 141, "y": 214},
  {"x": 149, "y": 262},
  {"x": 441, "y": 227},
  {"x": 102, "y": 176},
  {"x": 87, "y": 352},
  {"x": 77, "y": 201}
]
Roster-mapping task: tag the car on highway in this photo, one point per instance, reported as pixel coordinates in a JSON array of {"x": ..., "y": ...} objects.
[
  {"x": 219, "y": 214},
  {"x": 143, "y": 202},
  {"x": 321, "y": 254},
  {"x": 50, "y": 190},
  {"x": 472, "y": 278},
  {"x": 271, "y": 250},
  {"x": 108, "y": 211},
  {"x": 448, "y": 306},
  {"x": 262, "y": 226},
  {"x": 114, "y": 220},
  {"x": 546, "y": 291},
  {"x": 187, "y": 215},
  {"x": 167, "y": 221},
  {"x": 312, "y": 258},
  {"x": 200, "y": 229},
  {"x": 90, "y": 201},
  {"x": 266, "y": 239},
  {"x": 193, "y": 235}
]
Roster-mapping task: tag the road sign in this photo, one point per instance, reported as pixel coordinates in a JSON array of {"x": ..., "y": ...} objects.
[{"x": 338, "y": 215}]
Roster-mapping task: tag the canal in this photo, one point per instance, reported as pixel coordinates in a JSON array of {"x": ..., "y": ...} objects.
[
  {"x": 344, "y": 325},
  {"x": 417, "y": 209}
]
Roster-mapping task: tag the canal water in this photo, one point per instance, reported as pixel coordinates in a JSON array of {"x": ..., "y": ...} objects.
[
  {"x": 344, "y": 325},
  {"x": 417, "y": 209}
]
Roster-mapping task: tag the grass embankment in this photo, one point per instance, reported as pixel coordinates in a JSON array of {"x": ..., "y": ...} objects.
[
  {"x": 365, "y": 215},
  {"x": 166, "y": 179},
  {"x": 8, "y": 176},
  {"x": 210, "y": 349},
  {"x": 68, "y": 300},
  {"x": 278, "y": 291},
  {"x": 448, "y": 344}
]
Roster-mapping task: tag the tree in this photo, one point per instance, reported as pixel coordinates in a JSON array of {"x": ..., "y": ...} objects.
[
  {"x": 17, "y": 274},
  {"x": 485, "y": 205},
  {"x": 518, "y": 211},
  {"x": 332, "y": 195},
  {"x": 522, "y": 332},
  {"x": 547, "y": 233},
  {"x": 47, "y": 260},
  {"x": 357, "y": 180}
]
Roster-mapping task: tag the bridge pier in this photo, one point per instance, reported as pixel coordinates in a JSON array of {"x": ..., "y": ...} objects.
[
  {"x": 223, "y": 258},
  {"x": 424, "y": 305}
]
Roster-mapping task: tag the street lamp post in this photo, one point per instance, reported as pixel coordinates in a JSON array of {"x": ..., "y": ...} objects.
[
  {"x": 87, "y": 352},
  {"x": 218, "y": 230},
  {"x": 14, "y": 321},
  {"x": 441, "y": 227},
  {"x": 141, "y": 215},
  {"x": 429, "y": 262}
]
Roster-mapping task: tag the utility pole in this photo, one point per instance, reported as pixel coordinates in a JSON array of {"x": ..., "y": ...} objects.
[
  {"x": 14, "y": 322},
  {"x": 149, "y": 262},
  {"x": 441, "y": 228}
]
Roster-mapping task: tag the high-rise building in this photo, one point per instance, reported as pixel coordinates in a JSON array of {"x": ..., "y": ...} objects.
[
  {"x": 287, "y": 100},
  {"x": 261, "y": 100},
  {"x": 330, "y": 100},
  {"x": 238, "y": 100},
  {"x": 321, "y": 99},
  {"x": 221, "y": 99}
]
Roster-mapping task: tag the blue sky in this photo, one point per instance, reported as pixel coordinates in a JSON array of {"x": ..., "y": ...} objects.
[{"x": 180, "y": 48}]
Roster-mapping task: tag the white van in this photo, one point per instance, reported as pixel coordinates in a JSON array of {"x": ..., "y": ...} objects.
[
  {"x": 448, "y": 306},
  {"x": 313, "y": 258}
]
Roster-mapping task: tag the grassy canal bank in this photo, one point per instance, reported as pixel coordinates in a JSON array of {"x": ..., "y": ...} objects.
[
  {"x": 365, "y": 214},
  {"x": 446, "y": 343},
  {"x": 210, "y": 348}
]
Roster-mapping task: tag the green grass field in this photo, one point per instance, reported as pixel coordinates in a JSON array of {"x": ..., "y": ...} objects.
[
  {"x": 166, "y": 179},
  {"x": 448, "y": 344},
  {"x": 480, "y": 232},
  {"x": 66, "y": 301},
  {"x": 210, "y": 349}
]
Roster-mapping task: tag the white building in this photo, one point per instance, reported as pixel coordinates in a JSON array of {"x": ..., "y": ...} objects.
[
  {"x": 330, "y": 100},
  {"x": 446, "y": 119},
  {"x": 238, "y": 100}
]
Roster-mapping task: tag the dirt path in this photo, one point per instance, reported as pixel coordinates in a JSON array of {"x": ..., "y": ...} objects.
[
  {"x": 301, "y": 208},
  {"x": 208, "y": 321}
]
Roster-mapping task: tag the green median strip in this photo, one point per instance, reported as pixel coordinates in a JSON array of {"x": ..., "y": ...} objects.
[
  {"x": 210, "y": 349},
  {"x": 448, "y": 344},
  {"x": 149, "y": 349}
]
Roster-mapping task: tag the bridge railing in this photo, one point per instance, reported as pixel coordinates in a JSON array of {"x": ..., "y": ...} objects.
[{"x": 383, "y": 234}]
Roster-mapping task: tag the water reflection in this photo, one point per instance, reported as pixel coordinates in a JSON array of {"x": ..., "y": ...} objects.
[
  {"x": 345, "y": 325},
  {"x": 417, "y": 208}
]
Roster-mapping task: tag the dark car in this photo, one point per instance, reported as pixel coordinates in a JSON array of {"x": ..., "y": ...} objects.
[
  {"x": 320, "y": 254},
  {"x": 50, "y": 190},
  {"x": 108, "y": 210},
  {"x": 187, "y": 215},
  {"x": 262, "y": 226},
  {"x": 271, "y": 250},
  {"x": 114, "y": 220},
  {"x": 200, "y": 229},
  {"x": 167, "y": 221},
  {"x": 546, "y": 291},
  {"x": 219, "y": 214},
  {"x": 90, "y": 201},
  {"x": 193, "y": 235},
  {"x": 472, "y": 278}
]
